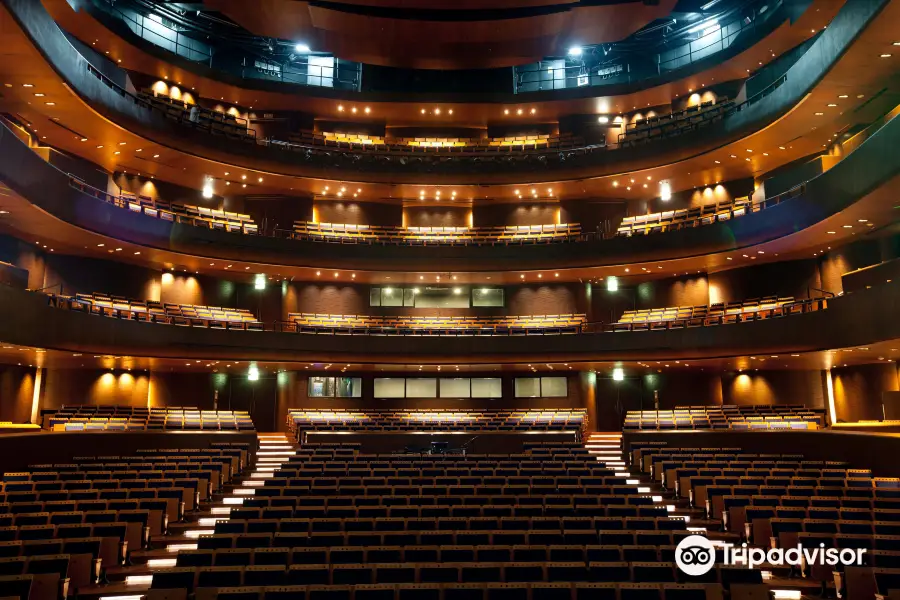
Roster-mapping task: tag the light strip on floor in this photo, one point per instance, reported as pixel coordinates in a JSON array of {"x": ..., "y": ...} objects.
[
  {"x": 232, "y": 500},
  {"x": 784, "y": 594},
  {"x": 656, "y": 498},
  {"x": 633, "y": 482},
  {"x": 244, "y": 492},
  {"x": 130, "y": 597},
  {"x": 696, "y": 529},
  {"x": 220, "y": 510},
  {"x": 195, "y": 533},
  {"x": 178, "y": 548},
  {"x": 208, "y": 521},
  {"x": 138, "y": 579},
  {"x": 643, "y": 490},
  {"x": 162, "y": 563}
]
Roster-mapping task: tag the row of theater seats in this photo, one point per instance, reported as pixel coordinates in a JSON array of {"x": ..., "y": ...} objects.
[
  {"x": 674, "y": 123},
  {"x": 778, "y": 501},
  {"x": 122, "y": 418},
  {"x": 63, "y": 526},
  {"x": 682, "y": 218},
  {"x": 363, "y": 141},
  {"x": 436, "y": 420},
  {"x": 215, "y": 122},
  {"x": 506, "y": 526},
  {"x": 404, "y": 325},
  {"x": 727, "y": 417},
  {"x": 720, "y": 313},
  {"x": 509, "y": 234},
  {"x": 195, "y": 215},
  {"x": 151, "y": 311}
]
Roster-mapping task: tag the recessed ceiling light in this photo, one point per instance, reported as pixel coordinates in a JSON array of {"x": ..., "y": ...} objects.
[
  {"x": 885, "y": 56},
  {"x": 156, "y": 156},
  {"x": 818, "y": 114},
  {"x": 50, "y": 103},
  {"x": 38, "y": 95},
  {"x": 28, "y": 85},
  {"x": 100, "y": 146}
]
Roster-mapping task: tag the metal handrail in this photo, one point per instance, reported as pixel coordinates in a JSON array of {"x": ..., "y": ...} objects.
[
  {"x": 270, "y": 69},
  {"x": 555, "y": 74},
  {"x": 592, "y": 328},
  {"x": 184, "y": 116}
]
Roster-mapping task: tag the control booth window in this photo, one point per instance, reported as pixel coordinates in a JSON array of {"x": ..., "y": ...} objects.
[
  {"x": 487, "y": 297},
  {"x": 335, "y": 387},
  {"x": 436, "y": 297},
  {"x": 455, "y": 387},
  {"x": 541, "y": 387}
]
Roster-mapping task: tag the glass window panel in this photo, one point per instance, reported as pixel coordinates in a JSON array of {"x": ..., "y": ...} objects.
[
  {"x": 421, "y": 388},
  {"x": 487, "y": 297},
  {"x": 554, "y": 387},
  {"x": 391, "y": 296},
  {"x": 390, "y": 387},
  {"x": 487, "y": 388},
  {"x": 455, "y": 388},
  {"x": 321, "y": 387},
  {"x": 348, "y": 387},
  {"x": 528, "y": 387},
  {"x": 375, "y": 297},
  {"x": 409, "y": 297},
  {"x": 442, "y": 298}
]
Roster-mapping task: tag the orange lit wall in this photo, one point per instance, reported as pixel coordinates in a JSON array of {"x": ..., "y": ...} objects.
[
  {"x": 857, "y": 390},
  {"x": 93, "y": 387},
  {"x": 16, "y": 392}
]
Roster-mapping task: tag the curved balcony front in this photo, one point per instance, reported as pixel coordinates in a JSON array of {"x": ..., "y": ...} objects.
[
  {"x": 739, "y": 121},
  {"x": 857, "y": 319},
  {"x": 862, "y": 179}
]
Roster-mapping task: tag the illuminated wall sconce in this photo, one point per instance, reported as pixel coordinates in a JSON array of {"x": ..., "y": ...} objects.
[
  {"x": 612, "y": 284},
  {"x": 665, "y": 190},
  {"x": 618, "y": 374}
]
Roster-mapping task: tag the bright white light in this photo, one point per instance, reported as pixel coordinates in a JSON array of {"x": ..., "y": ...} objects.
[
  {"x": 575, "y": 51},
  {"x": 301, "y": 49},
  {"x": 706, "y": 26},
  {"x": 665, "y": 191},
  {"x": 457, "y": 291},
  {"x": 786, "y": 594},
  {"x": 603, "y": 120},
  {"x": 161, "y": 563},
  {"x": 140, "y": 579},
  {"x": 207, "y": 189},
  {"x": 195, "y": 533},
  {"x": 612, "y": 284},
  {"x": 232, "y": 500},
  {"x": 657, "y": 498},
  {"x": 643, "y": 490},
  {"x": 253, "y": 374},
  {"x": 177, "y": 548},
  {"x": 618, "y": 374},
  {"x": 259, "y": 282}
]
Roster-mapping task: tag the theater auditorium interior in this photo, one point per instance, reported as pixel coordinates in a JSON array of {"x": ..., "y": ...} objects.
[{"x": 432, "y": 300}]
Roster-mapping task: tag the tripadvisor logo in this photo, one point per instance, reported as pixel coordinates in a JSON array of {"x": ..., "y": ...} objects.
[{"x": 695, "y": 555}]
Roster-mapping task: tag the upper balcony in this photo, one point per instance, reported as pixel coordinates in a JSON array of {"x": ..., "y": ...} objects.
[
  {"x": 685, "y": 135},
  {"x": 546, "y": 52}
]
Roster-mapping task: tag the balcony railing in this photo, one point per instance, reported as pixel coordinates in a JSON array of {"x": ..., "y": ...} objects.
[
  {"x": 568, "y": 73},
  {"x": 308, "y": 69}
]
